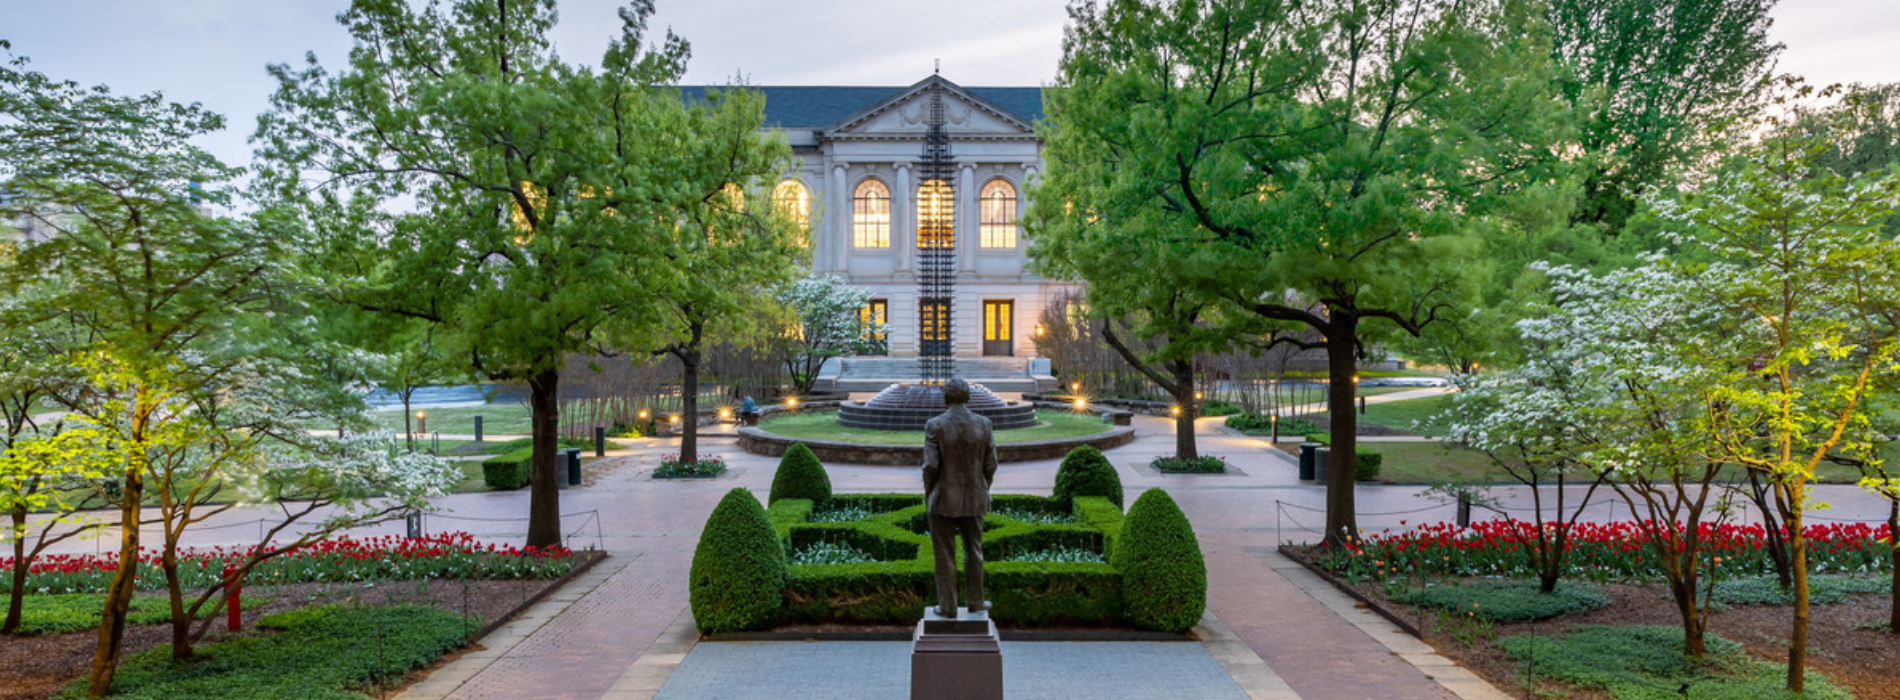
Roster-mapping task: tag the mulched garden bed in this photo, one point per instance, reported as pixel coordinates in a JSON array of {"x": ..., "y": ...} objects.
[
  {"x": 36, "y": 667},
  {"x": 1865, "y": 662}
]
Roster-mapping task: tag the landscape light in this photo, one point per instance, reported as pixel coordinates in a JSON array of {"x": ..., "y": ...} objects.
[
  {"x": 676, "y": 417},
  {"x": 1081, "y": 404},
  {"x": 643, "y": 414},
  {"x": 1176, "y": 410},
  {"x": 1197, "y": 396},
  {"x": 1075, "y": 387},
  {"x": 422, "y": 414},
  {"x": 791, "y": 401},
  {"x": 1039, "y": 330},
  {"x": 725, "y": 413}
]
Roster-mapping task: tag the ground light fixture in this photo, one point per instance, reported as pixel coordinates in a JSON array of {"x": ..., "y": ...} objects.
[
  {"x": 1174, "y": 410},
  {"x": 791, "y": 402},
  {"x": 1075, "y": 387},
  {"x": 1081, "y": 404},
  {"x": 643, "y": 414},
  {"x": 725, "y": 414}
]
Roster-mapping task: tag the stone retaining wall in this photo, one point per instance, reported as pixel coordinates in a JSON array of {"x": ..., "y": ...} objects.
[{"x": 760, "y": 442}]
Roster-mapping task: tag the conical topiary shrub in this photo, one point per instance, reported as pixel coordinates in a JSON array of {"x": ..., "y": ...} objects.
[
  {"x": 1164, "y": 578},
  {"x": 800, "y": 475},
  {"x": 738, "y": 569},
  {"x": 1085, "y": 472}
]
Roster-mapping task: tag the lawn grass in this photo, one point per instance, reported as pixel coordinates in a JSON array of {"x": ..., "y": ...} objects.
[
  {"x": 1050, "y": 425},
  {"x": 1410, "y": 415},
  {"x": 1431, "y": 462}
]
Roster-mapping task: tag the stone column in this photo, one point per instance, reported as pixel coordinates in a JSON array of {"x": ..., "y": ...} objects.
[
  {"x": 904, "y": 221},
  {"x": 967, "y": 216},
  {"x": 839, "y": 253}
]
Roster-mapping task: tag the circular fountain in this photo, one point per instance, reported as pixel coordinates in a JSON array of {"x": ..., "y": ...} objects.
[{"x": 909, "y": 406}]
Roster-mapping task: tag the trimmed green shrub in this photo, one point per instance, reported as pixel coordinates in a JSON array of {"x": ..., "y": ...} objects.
[
  {"x": 1085, "y": 472},
  {"x": 1164, "y": 578},
  {"x": 896, "y": 589},
  {"x": 509, "y": 471},
  {"x": 1637, "y": 662},
  {"x": 800, "y": 475},
  {"x": 322, "y": 653},
  {"x": 1204, "y": 464},
  {"x": 1366, "y": 468},
  {"x": 1509, "y": 601},
  {"x": 738, "y": 568}
]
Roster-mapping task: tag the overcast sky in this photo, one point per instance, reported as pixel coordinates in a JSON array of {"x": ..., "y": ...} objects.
[{"x": 214, "y": 51}]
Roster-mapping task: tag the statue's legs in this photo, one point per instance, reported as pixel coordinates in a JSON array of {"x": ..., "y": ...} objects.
[{"x": 943, "y": 533}]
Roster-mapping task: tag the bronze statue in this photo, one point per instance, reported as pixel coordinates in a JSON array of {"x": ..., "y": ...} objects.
[{"x": 959, "y": 464}]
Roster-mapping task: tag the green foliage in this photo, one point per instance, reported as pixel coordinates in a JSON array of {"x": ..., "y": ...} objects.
[
  {"x": 1508, "y": 600},
  {"x": 823, "y": 552},
  {"x": 1034, "y": 517},
  {"x": 1366, "y": 468},
  {"x": 1219, "y": 408},
  {"x": 1767, "y": 590},
  {"x": 1064, "y": 555},
  {"x": 1086, "y": 472},
  {"x": 509, "y": 471},
  {"x": 1262, "y": 424},
  {"x": 1164, "y": 578},
  {"x": 1198, "y": 465},
  {"x": 1646, "y": 663},
  {"x": 523, "y": 444},
  {"x": 898, "y": 585},
  {"x": 800, "y": 475},
  {"x": 59, "y": 613},
  {"x": 677, "y": 468},
  {"x": 321, "y": 653},
  {"x": 738, "y": 567}
]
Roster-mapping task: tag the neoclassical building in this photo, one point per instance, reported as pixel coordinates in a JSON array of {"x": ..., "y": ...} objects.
[{"x": 863, "y": 181}]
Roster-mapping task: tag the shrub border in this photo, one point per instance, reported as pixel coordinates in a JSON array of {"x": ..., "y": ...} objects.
[{"x": 761, "y": 442}]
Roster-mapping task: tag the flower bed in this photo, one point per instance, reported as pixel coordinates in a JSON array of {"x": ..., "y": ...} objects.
[
  {"x": 672, "y": 467},
  {"x": 455, "y": 555},
  {"x": 1598, "y": 551},
  {"x": 1195, "y": 465}
]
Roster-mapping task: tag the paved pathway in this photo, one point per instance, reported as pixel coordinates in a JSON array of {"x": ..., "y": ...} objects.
[{"x": 621, "y": 631}]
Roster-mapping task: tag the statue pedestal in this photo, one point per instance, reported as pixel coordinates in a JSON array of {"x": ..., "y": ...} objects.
[{"x": 956, "y": 658}]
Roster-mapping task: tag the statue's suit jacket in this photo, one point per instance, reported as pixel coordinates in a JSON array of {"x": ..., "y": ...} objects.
[{"x": 959, "y": 464}]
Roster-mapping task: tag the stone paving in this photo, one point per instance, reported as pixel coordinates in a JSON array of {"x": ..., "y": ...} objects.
[{"x": 622, "y": 630}]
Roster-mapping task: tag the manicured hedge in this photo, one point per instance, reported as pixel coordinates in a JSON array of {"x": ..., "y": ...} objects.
[
  {"x": 1366, "y": 468},
  {"x": 1085, "y": 472},
  {"x": 738, "y": 568},
  {"x": 800, "y": 475},
  {"x": 509, "y": 471},
  {"x": 1164, "y": 578},
  {"x": 897, "y": 589}
]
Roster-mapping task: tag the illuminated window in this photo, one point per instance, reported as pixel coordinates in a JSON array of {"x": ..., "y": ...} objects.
[
  {"x": 998, "y": 224},
  {"x": 872, "y": 318},
  {"x": 871, "y": 216},
  {"x": 936, "y": 214},
  {"x": 793, "y": 199},
  {"x": 735, "y": 197},
  {"x": 933, "y": 317}
]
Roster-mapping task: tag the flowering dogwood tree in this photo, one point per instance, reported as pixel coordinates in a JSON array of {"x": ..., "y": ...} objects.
[{"x": 828, "y": 325}]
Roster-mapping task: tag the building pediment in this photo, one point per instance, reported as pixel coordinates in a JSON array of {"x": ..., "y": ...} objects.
[{"x": 906, "y": 115}]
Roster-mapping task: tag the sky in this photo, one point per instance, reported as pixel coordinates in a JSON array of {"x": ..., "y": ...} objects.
[{"x": 214, "y": 51}]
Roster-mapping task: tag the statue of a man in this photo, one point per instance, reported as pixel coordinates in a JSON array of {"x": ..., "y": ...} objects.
[{"x": 959, "y": 464}]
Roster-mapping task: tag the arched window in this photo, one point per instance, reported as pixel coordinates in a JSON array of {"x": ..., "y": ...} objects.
[
  {"x": 997, "y": 227},
  {"x": 936, "y": 215},
  {"x": 735, "y": 197},
  {"x": 871, "y": 216},
  {"x": 793, "y": 199}
]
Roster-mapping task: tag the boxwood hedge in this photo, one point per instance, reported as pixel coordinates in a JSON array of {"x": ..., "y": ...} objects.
[
  {"x": 1086, "y": 472},
  {"x": 509, "y": 471},
  {"x": 737, "y": 572},
  {"x": 800, "y": 475}
]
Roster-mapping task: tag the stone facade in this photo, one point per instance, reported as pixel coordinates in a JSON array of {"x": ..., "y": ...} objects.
[{"x": 845, "y": 137}]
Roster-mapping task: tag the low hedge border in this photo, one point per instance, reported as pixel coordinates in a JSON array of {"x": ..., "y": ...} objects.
[
  {"x": 898, "y": 589},
  {"x": 508, "y": 472}
]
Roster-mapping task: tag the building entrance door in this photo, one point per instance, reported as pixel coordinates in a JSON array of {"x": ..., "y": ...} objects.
[{"x": 998, "y": 317}]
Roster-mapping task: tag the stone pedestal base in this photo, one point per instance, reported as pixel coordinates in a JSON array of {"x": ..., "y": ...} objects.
[{"x": 958, "y": 658}]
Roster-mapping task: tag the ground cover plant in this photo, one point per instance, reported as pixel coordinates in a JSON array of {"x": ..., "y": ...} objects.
[
  {"x": 823, "y": 426},
  {"x": 455, "y": 555},
  {"x": 1506, "y": 600},
  {"x": 1204, "y": 464},
  {"x": 1645, "y": 663},
  {"x": 673, "y": 467},
  {"x": 319, "y": 653}
]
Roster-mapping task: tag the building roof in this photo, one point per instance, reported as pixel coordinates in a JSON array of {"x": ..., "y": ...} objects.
[{"x": 820, "y": 106}]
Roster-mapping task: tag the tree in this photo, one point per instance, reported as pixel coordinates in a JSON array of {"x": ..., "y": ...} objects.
[
  {"x": 1646, "y": 362},
  {"x": 1811, "y": 287},
  {"x": 828, "y": 326},
  {"x": 545, "y": 194},
  {"x": 732, "y": 253},
  {"x": 1649, "y": 81},
  {"x": 1316, "y": 165}
]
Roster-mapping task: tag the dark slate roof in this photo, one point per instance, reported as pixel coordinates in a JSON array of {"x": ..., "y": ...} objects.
[{"x": 817, "y": 106}]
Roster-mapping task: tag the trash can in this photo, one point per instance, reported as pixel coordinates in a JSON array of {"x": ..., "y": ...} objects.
[
  {"x": 1321, "y": 457},
  {"x": 571, "y": 459},
  {"x": 1306, "y": 460}
]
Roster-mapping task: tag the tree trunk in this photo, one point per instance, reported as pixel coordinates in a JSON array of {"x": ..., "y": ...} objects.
[
  {"x": 544, "y": 498},
  {"x": 689, "y": 403},
  {"x": 16, "y": 596},
  {"x": 1682, "y": 588},
  {"x": 105, "y": 656},
  {"x": 408, "y": 431},
  {"x": 181, "y": 622},
  {"x": 1342, "y": 523},
  {"x": 1184, "y": 397},
  {"x": 1773, "y": 540},
  {"x": 1798, "y": 565},
  {"x": 1893, "y": 540}
]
